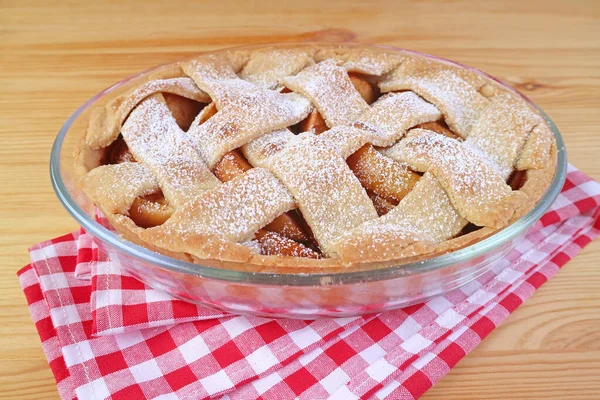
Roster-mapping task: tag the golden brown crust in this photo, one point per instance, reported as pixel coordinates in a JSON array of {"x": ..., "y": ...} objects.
[
  {"x": 363, "y": 61},
  {"x": 115, "y": 187},
  {"x": 265, "y": 69},
  {"x": 537, "y": 152},
  {"x": 106, "y": 122},
  {"x": 442, "y": 85},
  {"x": 477, "y": 192},
  {"x": 330, "y": 89},
  {"x": 427, "y": 222}
]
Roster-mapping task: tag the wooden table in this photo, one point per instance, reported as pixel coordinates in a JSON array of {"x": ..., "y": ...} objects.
[{"x": 55, "y": 56}]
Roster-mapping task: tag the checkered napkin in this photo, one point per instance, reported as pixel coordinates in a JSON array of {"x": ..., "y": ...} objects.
[{"x": 107, "y": 335}]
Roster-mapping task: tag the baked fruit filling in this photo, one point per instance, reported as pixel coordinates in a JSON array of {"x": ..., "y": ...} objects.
[
  {"x": 323, "y": 154},
  {"x": 385, "y": 180}
]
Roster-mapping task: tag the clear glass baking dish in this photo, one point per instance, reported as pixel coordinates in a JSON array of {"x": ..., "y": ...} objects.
[{"x": 306, "y": 296}]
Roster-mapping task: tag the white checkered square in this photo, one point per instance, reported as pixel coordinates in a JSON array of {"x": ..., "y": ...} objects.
[
  {"x": 449, "y": 319},
  {"x": 236, "y": 326},
  {"x": 265, "y": 383},
  {"x": 262, "y": 359},
  {"x": 343, "y": 393},
  {"x": 109, "y": 297},
  {"x": 194, "y": 349},
  {"x": 311, "y": 355},
  {"x": 167, "y": 396},
  {"x": 129, "y": 339},
  {"x": 439, "y": 304},
  {"x": 77, "y": 353},
  {"x": 481, "y": 298},
  {"x": 54, "y": 281},
  {"x": 65, "y": 315},
  {"x": 216, "y": 382},
  {"x": 422, "y": 361},
  {"x": 590, "y": 188},
  {"x": 96, "y": 389},
  {"x": 305, "y": 337},
  {"x": 153, "y": 296},
  {"x": 334, "y": 380},
  {"x": 380, "y": 370},
  {"x": 408, "y": 328},
  {"x": 387, "y": 389},
  {"x": 415, "y": 344},
  {"x": 510, "y": 275},
  {"x": 42, "y": 253},
  {"x": 372, "y": 353},
  {"x": 146, "y": 371}
]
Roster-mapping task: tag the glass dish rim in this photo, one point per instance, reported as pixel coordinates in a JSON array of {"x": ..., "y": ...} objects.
[{"x": 464, "y": 254}]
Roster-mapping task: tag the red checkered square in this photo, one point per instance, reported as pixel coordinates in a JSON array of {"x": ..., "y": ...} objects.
[
  {"x": 129, "y": 393},
  {"x": 537, "y": 279},
  {"x": 45, "y": 328},
  {"x": 69, "y": 237},
  {"x": 81, "y": 294},
  {"x": 511, "y": 302},
  {"x": 560, "y": 259},
  {"x": 135, "y": 314},
  {"x": 130, "y": 283},
  {"x": 376, "y": 329},
  {"x": 33, "y": 294},
  {"x": 227, "y": 354},
  {"x": 412, "y": 309},
  {"x": 340, "y": 352},
  {"x": 417, "y": 384},
  {"x": 205, "y": 325},
  {"x": 161, "y": 343},
  {"x": 59, "y": 369},
  {"x": 300, "y": 381},
  {"x": 183, "y": 309},
  {"x": 452, "y": 354},
  {"x": 270, "y": 331},
  {"x": 111, "y": 362},
  {"x": 180, "y": 378}
]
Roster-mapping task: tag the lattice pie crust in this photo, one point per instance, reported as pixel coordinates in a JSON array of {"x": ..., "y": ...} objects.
[{"x": 299, "y": 158}]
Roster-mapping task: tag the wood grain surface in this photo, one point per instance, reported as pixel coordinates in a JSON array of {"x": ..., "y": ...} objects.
[{"x": 56, "y": 54}]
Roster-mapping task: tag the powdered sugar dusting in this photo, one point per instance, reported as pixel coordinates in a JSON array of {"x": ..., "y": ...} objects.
[
  {"x": 474, "y": 188},
  {"x": 367, "y": 62},
  {"x": 154, "y": 138},
  {"x": 392, "y": 115},
  {"x": 501, "y": 132},
  {"x": 234, "y": 126},
  {"x": 328, "y": 194},
  {"x": 459, "y": 101},
  {"x": 426, "y": 214},
  {"x": 271, "y": 243},
  {"x": 116, "y": 186},
  {"x": 253, "y": 245},
  {"x": 344, "y": 139},
  {"x": 360, "y": 60},
  {"x": 463, "y": 181},
  {"x": 266, "y": 146},
  {"x": 330, "y": 90},
  {"x": 267, "y": 66},
  {"x": 245, "y": 112},
  {"x": 235, "y": 210},
  {"x": 537, "y": 149},
  {"x": 383, "y": 124}
]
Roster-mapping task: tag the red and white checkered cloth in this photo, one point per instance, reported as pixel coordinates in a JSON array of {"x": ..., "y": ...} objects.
[{"x": 115, "y": 337}]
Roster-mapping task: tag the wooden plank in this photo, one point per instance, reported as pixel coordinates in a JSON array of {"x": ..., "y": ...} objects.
[{"x": 55, "y": 55}]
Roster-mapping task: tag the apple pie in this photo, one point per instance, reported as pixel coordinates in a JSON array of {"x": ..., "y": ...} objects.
[{"x": 298, "y": 157}]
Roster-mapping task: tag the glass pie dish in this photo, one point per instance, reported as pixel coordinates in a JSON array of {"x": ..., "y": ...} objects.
[{"x": 288, "y": 295}]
